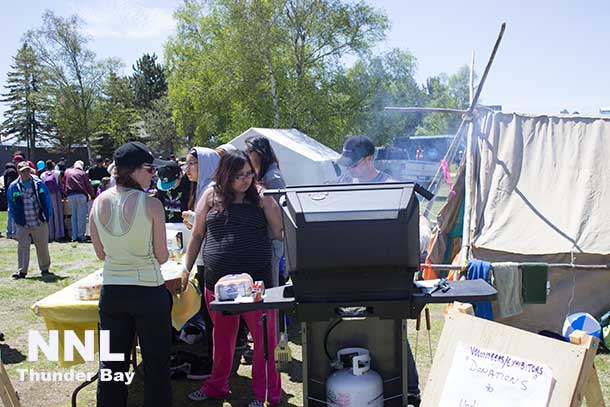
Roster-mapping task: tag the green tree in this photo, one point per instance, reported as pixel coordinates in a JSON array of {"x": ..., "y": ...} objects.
[
  {"x": 74, "y": 72},
  {"x": 119, "y": 115},
  {"x": 148, "y": 81},
  {"x": 273, "y": 63},
  {"x": 450, "y": 92},
  {"x": 380, "y": 81},
  {"x": 26, "y": 118},
  {"x": 160, "y": 129}
]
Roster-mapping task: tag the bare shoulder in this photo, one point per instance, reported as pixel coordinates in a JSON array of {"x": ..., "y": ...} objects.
[
  {"x": 266, "y": 201},
  {"x": 207, "y": 199},
  {"x": 154, "y": 207},
  {"x": 153, "y": 203}
]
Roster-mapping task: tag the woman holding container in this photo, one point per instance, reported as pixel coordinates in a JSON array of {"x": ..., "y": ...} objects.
[{"x": 233, "y": 216}]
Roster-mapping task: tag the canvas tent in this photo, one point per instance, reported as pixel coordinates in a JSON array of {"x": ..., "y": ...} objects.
[
  {"x": 302, "y": 159},
  {"x": 541, "y": 193}
]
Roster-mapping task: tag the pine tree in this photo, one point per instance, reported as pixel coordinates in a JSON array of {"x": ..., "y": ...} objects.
[
  {"x": 26, "y": 118},
  {"x": 148, "y": 81}
]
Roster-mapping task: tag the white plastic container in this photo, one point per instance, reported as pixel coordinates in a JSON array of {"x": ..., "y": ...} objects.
[
  {"x": 230, "y": 287},
  {"x": 357, "y": 385}
]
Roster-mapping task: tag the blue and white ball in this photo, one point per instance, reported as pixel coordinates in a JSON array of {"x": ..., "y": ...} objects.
[{"x": 581, "y": 321}]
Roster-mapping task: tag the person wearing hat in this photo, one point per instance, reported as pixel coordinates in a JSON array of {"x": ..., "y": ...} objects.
[
  {"x": 128, "y": 235},
  {"x": 78, "y": 190},
  {"x": 30, "y": 206},
  {"x": 18, "y": 157},
  {"x": 173, "y": 190},
  {"x": 358, "y": 158}
]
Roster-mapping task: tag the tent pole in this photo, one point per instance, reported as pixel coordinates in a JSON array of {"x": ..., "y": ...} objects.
[
  {"x": 471, "y": 78},
  {"x": 449, "y": 156},
  {"x": 425, "y": 110},
  {"x": 470, "y": 156},
  {"x": 468, "y": 194}
]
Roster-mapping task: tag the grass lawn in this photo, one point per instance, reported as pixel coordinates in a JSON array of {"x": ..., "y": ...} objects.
[{"x": 71, "y": 262}]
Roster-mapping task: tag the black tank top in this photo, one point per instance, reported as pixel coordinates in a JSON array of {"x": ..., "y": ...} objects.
[{"x": 237, "y": 242}]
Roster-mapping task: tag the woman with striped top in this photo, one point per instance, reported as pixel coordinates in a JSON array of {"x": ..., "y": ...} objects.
[{"x": 233, "y": 216}]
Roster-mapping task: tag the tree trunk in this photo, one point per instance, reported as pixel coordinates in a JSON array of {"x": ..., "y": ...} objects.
[{"x": 274, "y": 97}]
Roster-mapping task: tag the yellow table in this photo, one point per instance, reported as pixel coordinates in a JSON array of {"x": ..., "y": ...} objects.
[{"x": 63, "y": 311}]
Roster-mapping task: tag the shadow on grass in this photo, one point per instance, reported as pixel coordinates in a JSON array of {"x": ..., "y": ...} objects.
[
  {"x": 10, "y": 356},
  {"x": 294, "y": 330},
  {"x": 49, "y": 278},
  {"x": 295, "y": 371},
  {"x": 241, "y": 393}
]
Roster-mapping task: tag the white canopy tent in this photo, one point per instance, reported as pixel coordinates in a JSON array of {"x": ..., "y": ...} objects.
[{"x": 303, "y": 160}]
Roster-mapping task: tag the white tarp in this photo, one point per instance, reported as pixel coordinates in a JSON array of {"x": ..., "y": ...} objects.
[
  {"x": 542, "y": 195},
  {"x": 543, "y": 185},
  {"x": 302, "y": 159}
]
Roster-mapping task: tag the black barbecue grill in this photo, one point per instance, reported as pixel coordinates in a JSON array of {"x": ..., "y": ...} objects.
[
  {"x": 352, "y": 242},
  {"x": 352, "y": 252}
]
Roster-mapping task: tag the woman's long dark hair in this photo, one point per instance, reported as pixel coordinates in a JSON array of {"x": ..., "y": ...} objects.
[
  {"x": 124, "y": 178},
  {"x": 230, "y": 164},
  {"x": 261, "y": 146}
]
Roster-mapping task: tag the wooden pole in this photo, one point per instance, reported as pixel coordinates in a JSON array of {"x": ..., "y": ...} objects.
[
  {"x": 471, "y": 78},
  {"x": 425, "y": 110},
  {"x": 475, "y": 99},
  {"x": 8, "y": 395},
  {"x": 470, "y": 157},
  {"x": 468, "y": 194},
  {"x": 449, "y": 156}
]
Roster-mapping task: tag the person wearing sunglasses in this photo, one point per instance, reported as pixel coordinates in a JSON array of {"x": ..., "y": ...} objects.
[
  {"x": 358, "y": 159},
  {"x": 128, "y": 235},
  {"x": 232, "y": 216}
]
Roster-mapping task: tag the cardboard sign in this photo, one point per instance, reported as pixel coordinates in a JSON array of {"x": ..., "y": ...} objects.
[{"x": 480, "y": 377}]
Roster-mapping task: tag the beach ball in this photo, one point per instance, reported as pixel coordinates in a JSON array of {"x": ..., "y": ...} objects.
[
  {"x": 582, "y": 321},
  {"x": 40, "y": 165}
]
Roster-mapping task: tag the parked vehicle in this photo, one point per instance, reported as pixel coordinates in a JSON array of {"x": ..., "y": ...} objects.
[{"x": 397, "y": 163}]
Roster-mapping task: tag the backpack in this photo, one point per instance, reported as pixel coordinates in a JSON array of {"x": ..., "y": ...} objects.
[{"x": 50, "y": 180}]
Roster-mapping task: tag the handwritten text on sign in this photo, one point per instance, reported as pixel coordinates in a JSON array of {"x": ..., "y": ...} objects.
[{"x": 480, "y": 377}]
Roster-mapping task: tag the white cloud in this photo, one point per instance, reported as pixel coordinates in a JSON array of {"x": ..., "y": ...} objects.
[{"x": 125, "y": 19}]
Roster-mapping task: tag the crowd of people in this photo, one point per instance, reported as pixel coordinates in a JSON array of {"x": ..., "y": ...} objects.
[
  {"x": 219, "y": 194},
  {"x": 235, "y": 228}
]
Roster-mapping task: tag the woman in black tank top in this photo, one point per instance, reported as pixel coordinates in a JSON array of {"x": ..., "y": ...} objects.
[{"x": 233, "y": 216}]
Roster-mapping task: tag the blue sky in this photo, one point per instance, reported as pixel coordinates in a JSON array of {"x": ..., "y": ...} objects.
[{"x": 555, "y": 54}]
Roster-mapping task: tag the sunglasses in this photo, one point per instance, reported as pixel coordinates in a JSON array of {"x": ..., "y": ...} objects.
[
  {"x": 247, "y": 175},
  {"x": 149, "y": 168}
]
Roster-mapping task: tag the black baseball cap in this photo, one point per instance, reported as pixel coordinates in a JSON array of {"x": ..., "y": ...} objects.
[
  {"x": 168, "y": 173},
  {"x": 134, "y": 154},
  {"x": 355, "y": 149}
]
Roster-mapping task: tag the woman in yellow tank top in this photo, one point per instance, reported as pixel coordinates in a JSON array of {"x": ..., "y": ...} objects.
[{"x": 128, "y": 234}]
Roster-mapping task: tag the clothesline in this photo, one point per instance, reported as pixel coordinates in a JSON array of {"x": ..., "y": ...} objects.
[{"x": 550, "y": 265}]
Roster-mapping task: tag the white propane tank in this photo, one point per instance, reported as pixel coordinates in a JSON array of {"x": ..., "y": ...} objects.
[{"x": 357, "y": 385}]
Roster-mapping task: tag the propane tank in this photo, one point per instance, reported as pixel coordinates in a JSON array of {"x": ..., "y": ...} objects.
[{"x": 356, "y": 385}]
